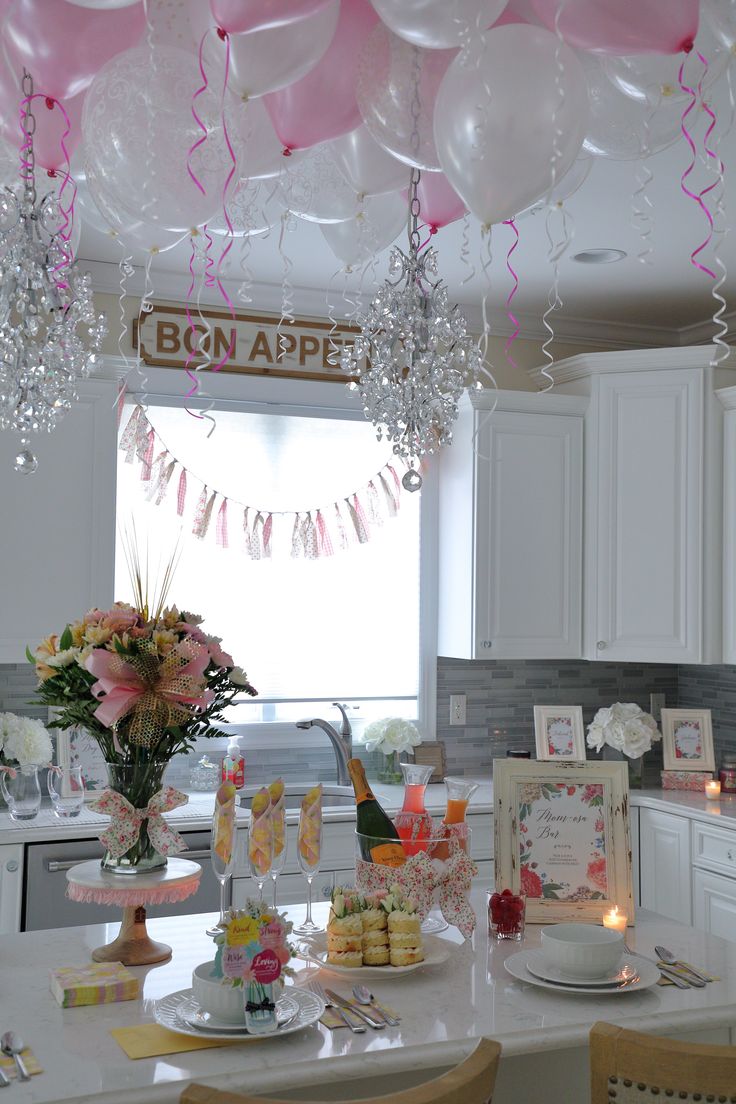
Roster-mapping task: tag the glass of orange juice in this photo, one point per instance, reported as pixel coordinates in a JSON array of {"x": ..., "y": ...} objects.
[{"x": 459, "y": 793}]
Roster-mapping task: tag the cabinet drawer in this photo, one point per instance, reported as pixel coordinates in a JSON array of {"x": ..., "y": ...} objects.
[
  {"x": 290, "y": 889},
  {"x": 715, "y": 904},
  {"x": 714, "y": 848},
  {"x": 338, "y": 849},
  {"x": 481, "y": 840}
]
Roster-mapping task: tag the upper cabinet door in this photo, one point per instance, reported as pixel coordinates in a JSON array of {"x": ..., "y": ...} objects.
[
  {"x": 645, "y": 516},
  {"x": 511, "y": 532},
  {"x": 58, "y": 544}
]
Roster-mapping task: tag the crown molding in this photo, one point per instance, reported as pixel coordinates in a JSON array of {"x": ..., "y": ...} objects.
[
  {"x": 630, "y": 360},
  {"x": 527, "y": 402},
  {"x": 171, "y": 287}
]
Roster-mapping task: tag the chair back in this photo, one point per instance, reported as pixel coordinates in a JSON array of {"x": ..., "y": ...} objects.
[
  {"x": 628, "y": 1067},
  {"x": 470, "y": 1082}
]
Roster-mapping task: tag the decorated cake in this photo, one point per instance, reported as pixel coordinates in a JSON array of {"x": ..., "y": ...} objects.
[{"x": 382, "y": 930}]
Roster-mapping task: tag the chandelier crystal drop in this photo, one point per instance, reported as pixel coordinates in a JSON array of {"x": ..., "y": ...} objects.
[
  {"x": 414, "y": 356},
  {"x": 49, "y": 332}
]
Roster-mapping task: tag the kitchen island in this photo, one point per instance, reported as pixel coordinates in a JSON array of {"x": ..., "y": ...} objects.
[{"x": 443, "y": 1008}]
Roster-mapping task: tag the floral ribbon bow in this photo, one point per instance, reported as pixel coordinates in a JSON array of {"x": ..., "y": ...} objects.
[
  {"x": 125, "y": 821},
  {"x": 421, "y": 879},
  {"x": 158, "y": 692}
]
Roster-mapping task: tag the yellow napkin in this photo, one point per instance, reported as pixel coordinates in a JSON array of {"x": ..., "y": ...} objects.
[
  {"x": 149, "y": 1040},
  {"x": 223, "y": 825},
  {"x": 278, "y": 816},
  {"x": 7, "y": 1065},
  {"x": 260, "y": 834},
  {"x": 683, "y": 974},
  {"x": 310, "y": 826}
]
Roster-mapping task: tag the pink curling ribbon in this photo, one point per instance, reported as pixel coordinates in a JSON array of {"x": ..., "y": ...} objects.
[
  {"x": 423, "y": 882},
  {"x": 509, "y": 313},
  {"x": 124, "y": 686},
  {"x": 696, "y": 94},
  {"x": 126, "y": 821},
  {"x": 230, "y": 232},
  {"x": 209, "y": 262},
  {"x": 193, "y": 340},
  {"x": 26, "y": 171}
]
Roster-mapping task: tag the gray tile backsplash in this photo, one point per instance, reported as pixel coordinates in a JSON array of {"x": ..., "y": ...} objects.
[{"x": 500, "y": 703}]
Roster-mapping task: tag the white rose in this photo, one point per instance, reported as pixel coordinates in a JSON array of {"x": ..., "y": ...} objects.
[
  {"x": 238, "y": 676},
  {"x": 64, "y": 658},
  {"x": 625, "y": 727},
  {"x": 25, "y": 741}
]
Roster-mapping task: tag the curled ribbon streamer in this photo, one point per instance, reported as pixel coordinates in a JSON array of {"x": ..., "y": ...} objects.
[
  {"x": 509, "y": 299},
  {"x": 120, "y": 402},
  {"x": 697, "y": 197},
  {"x": 715, "y": 161},
  {"x": 199, "y": 92},
  {"x": 126, "y": 821},
  {"x": 420, "y": 880},
  {"x": 556, "y": 249},
  {"x": 465, "y": 251},
  {"x": 126, "y": 270},
  {"x": 230, "y": 232},
  {"x": 287, "y": 290},
  {"x": 194, "y": 340}
]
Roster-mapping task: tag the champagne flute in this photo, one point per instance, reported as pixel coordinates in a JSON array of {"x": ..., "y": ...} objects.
[
  {"x": 260, "y": 851},
  {"x": 309, "y": 863},
  {"x": 222, "y": 858},
  {"x": 279, "y": 856}
]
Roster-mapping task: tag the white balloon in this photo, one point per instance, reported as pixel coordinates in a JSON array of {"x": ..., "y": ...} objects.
[
  {"x": 502, "y": 116},
  {"x": 316, "y": 190},
  {"x": 264, "y": 61},
  {"x": 134, "y": 233},
  {"x": 622, "y": 128},
  {"x": 103, "y": 5},
  {"x": 366, "y": 166},
  {"x": 395, "y": 81},
  {"x": 257, "y": 147},
  {"x": 371, "y": 230},
  {"x": 254, "y": 209},
  {"x": 654, "y": 78},
  {"x": 139, "y": 129},
  {"x": 571, "y": 182},
  {"x": 437, "y": 24}
]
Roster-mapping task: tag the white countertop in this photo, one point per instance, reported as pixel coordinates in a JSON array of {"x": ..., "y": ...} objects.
[{"x": 443, "y": 1008}]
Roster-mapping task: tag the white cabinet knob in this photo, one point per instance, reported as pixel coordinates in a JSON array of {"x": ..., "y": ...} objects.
[
  {"x": 601, "y": 645},
  {"x": 11, "y": 866},
  {"x": 486, "y": 643}
]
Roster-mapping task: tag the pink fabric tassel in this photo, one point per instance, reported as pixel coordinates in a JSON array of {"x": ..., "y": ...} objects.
[
  {"x": 397, "y": 484},
  {"x": 256, "y": 537},
  {"x": 163, "y": 483},
  {"x": 374, "y": 505},
  {"x": 360, "y": 530},
  {"x": 309, "y": 538},
  {"x": 147, "y": 465},
  {"x": 181, "y": 493},
  {"x": 121, "y": 402},
  {"x": 199, "y": 513},
  {"x": 324, "y": 543},
  {"x": 391, "y": 503},
  {"x": 341, "y": 530},
  {"x": 267, "y": 534},
  {"x": 130, "y": 435},
  {"x": 222, "y": 525},
  {"x": 246, "y": 533},
  {"x": 358, "y": 505},
  {"x": 157, "y": 469},
  {"x": 207, "y": 516},
  {"x": 296, "y": 541}
]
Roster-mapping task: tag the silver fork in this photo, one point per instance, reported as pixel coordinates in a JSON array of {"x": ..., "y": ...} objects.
[
  {"x": 676, "y": 980},
  {"x": 316, "y": 988}
]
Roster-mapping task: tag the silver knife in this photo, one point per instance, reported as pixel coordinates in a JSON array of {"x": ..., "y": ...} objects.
[
  {"x": 4, "y": 1079},
  {"x": 355, "y": 1009}
]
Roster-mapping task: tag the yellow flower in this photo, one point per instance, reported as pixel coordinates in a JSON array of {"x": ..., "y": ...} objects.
[
  {"x": 164, "y": 640},
  {"x": 170, "y": 617},
  {"x": 77, "y": 630},
  {"x": 96, "y": 635},
  {"x": 44, "y": 651}
]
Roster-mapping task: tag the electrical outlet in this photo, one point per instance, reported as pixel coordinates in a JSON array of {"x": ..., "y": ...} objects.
[
  {"x": 656, "y": 702},
  {"x": 457, "y": 709}
]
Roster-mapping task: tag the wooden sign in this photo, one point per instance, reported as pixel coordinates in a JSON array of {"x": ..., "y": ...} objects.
[{"x": 259, "y": 345}]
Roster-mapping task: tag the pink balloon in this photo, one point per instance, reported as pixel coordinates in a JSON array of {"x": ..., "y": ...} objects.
[
  {"x": 439, "y": 203},
  {"x": 63, "y": 45},
  {"x": 322, "y": 105},
  {"x": 239, "y": 16},
  {"x": 623, "y": 26},
  {"x": 50, "y": 123}
]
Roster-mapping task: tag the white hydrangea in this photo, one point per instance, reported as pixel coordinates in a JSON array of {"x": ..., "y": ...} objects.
[
  {"x": 391, "y": 734},
  {"x": 625, "y": 727},
  {"x": 24, "y": 741}
]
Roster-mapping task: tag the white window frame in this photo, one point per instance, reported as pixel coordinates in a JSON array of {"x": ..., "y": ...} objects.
[{"x": 231, "y": 391}]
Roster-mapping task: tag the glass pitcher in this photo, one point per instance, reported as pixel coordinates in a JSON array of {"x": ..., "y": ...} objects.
[
  {"x": 413, "y": 822},
  {"x": 22, "y": 792}
]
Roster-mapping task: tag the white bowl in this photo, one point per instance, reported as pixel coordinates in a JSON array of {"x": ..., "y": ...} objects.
[
  {"x": 222, "y": 1001},
  {"x": 582, "y": 950}
]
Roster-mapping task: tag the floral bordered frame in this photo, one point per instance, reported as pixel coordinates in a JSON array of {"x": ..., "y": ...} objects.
[
  {"x": 568, "y": 719},
  {"x": 687, "y": 754},
  {"x": 562, "y": 837}
]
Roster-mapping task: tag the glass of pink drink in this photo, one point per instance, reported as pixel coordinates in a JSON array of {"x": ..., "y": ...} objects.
[{"x": 413, "y": 822}]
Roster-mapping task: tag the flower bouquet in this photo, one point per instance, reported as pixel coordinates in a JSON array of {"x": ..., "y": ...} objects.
[
  {"x": 25, "y": 745},
  {"x": 391, "y": 736},
  {"x": 145, "y": 684},
  {"x": 626, "y": 730}
]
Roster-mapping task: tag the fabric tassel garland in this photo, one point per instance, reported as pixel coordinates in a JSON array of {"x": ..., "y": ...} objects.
[
  {"x": 267, "y": 534},
  {"x": 206, "y": 517},
  {"x": 256, "y": 538},
  {"x": 374, "y": 505},
  {"x": 391, "y": 503},
  {"x": 129, "y": 435},
  {"x": 360, "y": 530},
  {"x": 296, "y": 541},
  {"x": 163, "y": 483},
  {"x": 181, "y": 494},
  {"x": 157, "y": 471},
  {"x": 147, "y": 465},
  {"x": 222, "y": 525},
  {"x": 341, "y": 530},
  {"x": 246, "y": 533},
  {"x": 199, "y": 512},
  {"x": 324, "y": 544}
]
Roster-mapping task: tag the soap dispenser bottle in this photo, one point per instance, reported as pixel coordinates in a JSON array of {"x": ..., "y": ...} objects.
[{"x": 233, "y": 765}]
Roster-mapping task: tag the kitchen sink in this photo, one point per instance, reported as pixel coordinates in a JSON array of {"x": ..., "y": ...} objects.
[{"x": 333, "y": 796}]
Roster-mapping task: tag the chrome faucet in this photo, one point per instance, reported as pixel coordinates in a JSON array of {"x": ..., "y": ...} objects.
[{"x": 342, "y": 741}]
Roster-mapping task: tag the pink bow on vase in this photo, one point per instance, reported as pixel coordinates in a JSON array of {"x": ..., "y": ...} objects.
[
  {"x": 420, "y": 879},
  {"x": 125, "y": 821}
]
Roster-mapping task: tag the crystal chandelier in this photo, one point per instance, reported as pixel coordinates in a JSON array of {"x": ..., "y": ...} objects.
[
  {"x": 49, "y": 333},
  {"x": 418, "y": 354}
]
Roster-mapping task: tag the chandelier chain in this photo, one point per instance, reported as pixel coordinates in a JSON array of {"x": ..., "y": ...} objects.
[{"x": 28, "y": 153}]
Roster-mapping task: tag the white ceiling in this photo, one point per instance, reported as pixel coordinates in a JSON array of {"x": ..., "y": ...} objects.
[{"x": 666, "y": 302}]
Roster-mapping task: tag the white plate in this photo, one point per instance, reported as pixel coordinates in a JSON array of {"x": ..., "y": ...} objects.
[
  {"x": 315, "y": 950},
  {"x": 648, "y": 975},
  {"x": 193, "y": 1013},
  {"x": 536, "y": 964},
  {"x": 168, "y": 1012}
]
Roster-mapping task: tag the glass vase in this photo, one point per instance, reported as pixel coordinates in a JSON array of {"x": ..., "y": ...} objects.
[
  {"x": 22, "y": 793},
  {"x": 137, "y": 782},
  {"x": 636, "y": 766},
  {"x": 260, "y": 1008},
  {"x": 391, "y": 770}
]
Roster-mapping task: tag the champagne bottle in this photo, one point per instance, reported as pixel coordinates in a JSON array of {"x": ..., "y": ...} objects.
[{"x": 379, "y": 841}]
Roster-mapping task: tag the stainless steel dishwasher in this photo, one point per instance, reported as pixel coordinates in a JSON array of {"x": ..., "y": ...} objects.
[{"x": 47, "y": 906}]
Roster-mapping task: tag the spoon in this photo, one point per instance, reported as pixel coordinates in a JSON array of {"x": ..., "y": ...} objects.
[
  {"x": 364, "y": 996},
  {"x": 669, "y": 958},
  {"x": 12, "y": 1045}
]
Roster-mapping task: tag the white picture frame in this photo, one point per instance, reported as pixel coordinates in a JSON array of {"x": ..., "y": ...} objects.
[
  {"x": 687, "y": 740},
  {"x": 562, "y": 837},
  {"x": 559, "y": 733}
]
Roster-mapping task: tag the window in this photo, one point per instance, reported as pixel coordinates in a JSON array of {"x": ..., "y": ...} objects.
[{"x": 342, "y": 627}]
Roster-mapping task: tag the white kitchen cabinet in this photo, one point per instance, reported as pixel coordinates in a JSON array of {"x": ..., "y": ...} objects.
[
  {"x": 727, "y": 397},
  {"x": 714, "y": 904},
  {"x": 653, "y": 503},
  {"x": 11, "y": 886},
  {"x": 664, "y": 858},
  {"x": 510, "y": 533},
  {"x": 57, "y": 556}
]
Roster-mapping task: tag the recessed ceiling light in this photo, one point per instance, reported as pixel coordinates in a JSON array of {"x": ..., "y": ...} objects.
[{"x": 599, "y": 256}]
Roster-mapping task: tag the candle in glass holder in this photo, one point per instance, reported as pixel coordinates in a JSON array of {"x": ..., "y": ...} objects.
[
  {"x": 713, "y": 788},
  {"x": 615, "y": 920}
]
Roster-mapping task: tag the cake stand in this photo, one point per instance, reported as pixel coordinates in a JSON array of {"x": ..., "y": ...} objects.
[{"x": 88, "y": 882}]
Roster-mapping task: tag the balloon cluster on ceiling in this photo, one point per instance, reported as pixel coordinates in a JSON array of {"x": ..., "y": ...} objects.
[{"x": 179, "y": 114}]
